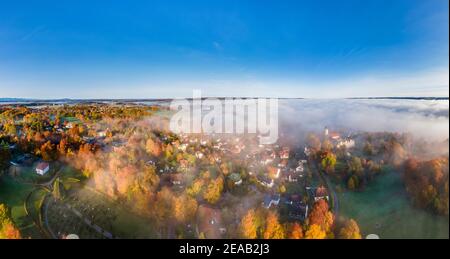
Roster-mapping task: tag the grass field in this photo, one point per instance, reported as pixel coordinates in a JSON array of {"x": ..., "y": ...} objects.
[
  {"x": 13, "y": 194},
  {"x": 383, "y": 208},
  {"x": 124, "y": 224}
]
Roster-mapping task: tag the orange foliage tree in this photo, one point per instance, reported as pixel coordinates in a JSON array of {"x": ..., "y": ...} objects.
[
  {"x": 7, "y": 228},
  {"x": 315, "y": 232},
  {"x": 295, "y": 231},
  {"x": 350, "y": 230},
  {"x": 321, "y": 216},
  {"x": 274, "y": 230}
]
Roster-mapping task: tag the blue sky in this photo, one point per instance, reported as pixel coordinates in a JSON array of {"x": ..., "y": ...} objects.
[{"x": 152, "y": 49}]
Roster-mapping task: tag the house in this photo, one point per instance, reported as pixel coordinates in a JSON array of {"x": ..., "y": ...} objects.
[
  {"x": 298, "y": 210},
  {"x": 199, "y": 155},
  {"x": 150, "y": 162},
  {"x": 291, "y": 177},
  {"x": 176, "y": 179},
  {"x": 89, "y": 140},
  {"x": 23, "y": 160},
  {"x": 299, "y": 168},
  {"x": 334, "y": 136},
  {"x": 297, "y": 207},
  {"x": 284, "y": 154},
  {"x": 265, "y": 181},
  {"x": 209, "y": 221},
  {"x": 270, "y": 200},
  {"x": 42, "y": 168},
  {"x": 321, "y": 193},
  {"x": 283, "y": 163},
  {"x": 101, "y": 134},
  {"x": 347, "y": 143}
]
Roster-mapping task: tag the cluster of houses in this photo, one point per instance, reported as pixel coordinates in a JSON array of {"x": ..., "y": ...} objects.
[
  {"x": 338, "y": 141},
  {"x": 297, "y": 204},
  {"x": 27, "y": 160}
]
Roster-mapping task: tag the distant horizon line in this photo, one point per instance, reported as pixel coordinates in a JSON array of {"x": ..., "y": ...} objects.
[{"x": 13, "y": 99}]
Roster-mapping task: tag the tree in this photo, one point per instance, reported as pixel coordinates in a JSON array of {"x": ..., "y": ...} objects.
[
  {"x": 315, "y": 232},
  {"x": 368, "y": 149},
  {"x": 162, "y": 207},
  {"x": 10, "y": 128},
  {"x": 5, "y": 156},
  {"x": 274, "y": 230},
  {"x": 195, "y": 188},
  {"x": 185, "y": 208},
  {"x": 427, "y": 183},
  {"x": 7, "y": 228},
  {"x": 249, "y": 225},
  {"x": 353, "y": 182},
  {"x": 295, "y": 231},
  {"x": 153, "y": 147},
  {"x": 321, "y": 216},
  {"x": 328, "y": 161},
  {"x": 48, "y": 152},
  {"x": 350, "y": 230},
  {"x": 355, "y": 166},
  {"x": 214, "y": 190},
  {"x": 397, "y": 154},
  {"x": 62, "y": 146}
]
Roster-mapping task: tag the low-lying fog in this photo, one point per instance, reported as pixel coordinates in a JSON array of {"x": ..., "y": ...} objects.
[{"x": 426, "y": 119}]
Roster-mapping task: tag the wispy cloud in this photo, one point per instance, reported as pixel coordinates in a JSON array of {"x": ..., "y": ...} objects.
[{"x": 33, "y": 33}]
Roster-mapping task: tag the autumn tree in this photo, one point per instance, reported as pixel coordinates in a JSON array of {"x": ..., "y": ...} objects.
[
  {"x": 124, "y": 179},
  {"x": 5, "y": 156},
  {"x": 295, "y": 231},
  {"x": 7, "y": 227},
  {"x": 315, "y": 232},
  {"x": 214, "y": 190},
  {"x": 62, "y": 146},
  {"x": 153, "y": 147},
  {"x": 273, "y": 229},
  {"x": 350, "y": 230},
  {"x": 328, "y": 161},
  {"x": 396, "y": 152},
  {"x": 249, "y": 225},
  {"x": 353, "y": 182},
  {"x": 10, "y": 128},
  {"x": 427, "y": 184},
  {"x": 195, "y": 188},
  {"x": 185, "y": 208},
  {"x": 162, "y": 207},
  {"x": 355, "y": 166},
  {"x": 321, "y": 216},
  {"x": 48, "y": 151}
]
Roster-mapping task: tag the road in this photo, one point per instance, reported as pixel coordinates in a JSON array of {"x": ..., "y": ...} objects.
[{"x": 327, "y": 183}]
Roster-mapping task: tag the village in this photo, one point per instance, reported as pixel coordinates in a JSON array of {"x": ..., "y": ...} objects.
[{"x": 215, "y": 171}]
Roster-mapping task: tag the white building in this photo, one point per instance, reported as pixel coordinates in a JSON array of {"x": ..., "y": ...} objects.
[
  {"x": 348, "y": 143},
  {"x": 42, "y": 168}
]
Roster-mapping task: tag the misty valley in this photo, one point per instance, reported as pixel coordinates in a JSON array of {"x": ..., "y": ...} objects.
[{"x": 340, "y": 169}]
